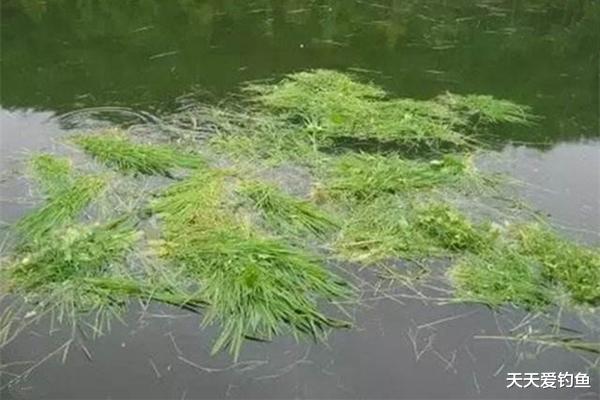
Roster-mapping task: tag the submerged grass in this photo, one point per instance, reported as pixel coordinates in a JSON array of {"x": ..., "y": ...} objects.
[
  {"x": 287, "y": 213},
  {"x": 117, "y": 151}
]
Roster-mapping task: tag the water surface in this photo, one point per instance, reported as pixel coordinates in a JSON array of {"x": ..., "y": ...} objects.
[{"x": 139, "y": 57}]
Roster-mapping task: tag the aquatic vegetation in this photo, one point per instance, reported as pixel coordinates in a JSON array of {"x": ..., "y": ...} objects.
[
  {"x": 51, "y": 173},
  {"x": 287, "y": 213},
  {"x": 64, "y": 205},
  {"x": 391, "y": 227},
  {"x": 488, "y": 109},
  {"x": 254, "y": 286},
  {"x": 325, "y": 104},
  {"x": 498, "y": 277},
  {"x": 51, "y": 272},
  {"x": 565, "y": 263},
  {"x": 369, "y": 175},
  {"x": 530, "y": 257},
  {"x": 451, "y": 230},
  {"x": 258, "y": 287},
  {"x": 118, "y": 151},
  {"x": 383, "y": 172},
  {"x": 381, "y": 230}
]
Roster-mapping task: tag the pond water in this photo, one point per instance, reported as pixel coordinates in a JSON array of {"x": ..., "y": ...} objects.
[{"x": 62, "y": 60}]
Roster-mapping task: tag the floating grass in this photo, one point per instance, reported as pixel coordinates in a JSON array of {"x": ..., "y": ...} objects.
[
  {"x": 531, "y": 258},
  {"x": 390, "y": 227},
  {"x": 64, "y": 205},
  {"x": 51, "y": 173},
  {"x": 488, "y": 109},
  {"x": 565, "y": 263},
  {"x": 51, "y": 272},
  {"x": 497, "y": 278},
  {"x": 255, "y": 286},
  {"x": 259, "y": 287},
  {"x": 369, "y": 175},
  {"x": 325, "y": 104},
  {"x": 118, "y": 151},
  {"x": 288, "y": 213}
]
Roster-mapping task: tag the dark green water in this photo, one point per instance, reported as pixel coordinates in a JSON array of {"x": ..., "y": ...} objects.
[{"x": 61, "y": 56}]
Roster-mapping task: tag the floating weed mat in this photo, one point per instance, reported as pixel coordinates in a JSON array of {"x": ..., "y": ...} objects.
[
  {"x": 532, "y": 268},
  {"x": 234, "y": 247},
  {"x": 117, "y": 151},
  {"x": 259, "y": 287},
  {"x": 324, "y": 104},
  {"x": 287, "y": 213},
  {"x": 391, "y": 227},
  {"x": 254, "y": 286},
  {"x": 51, "y": 173},
  {"x": 64, "y": 204},
  {"x": 51, "y": 272},
  {"x": 365, "y": 176}
]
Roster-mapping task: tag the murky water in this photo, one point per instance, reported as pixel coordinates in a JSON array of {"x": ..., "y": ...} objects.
[{"x": 141, "y": 55}]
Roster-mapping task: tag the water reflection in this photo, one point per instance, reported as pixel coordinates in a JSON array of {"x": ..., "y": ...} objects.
[{"x": 64, "y": 54}]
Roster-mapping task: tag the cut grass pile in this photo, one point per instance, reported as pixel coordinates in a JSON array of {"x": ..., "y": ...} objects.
[
  {"x": 116, "y": 150},
  {"x": 260, "y": 277},
  {"x": 287, "y": 213},
  {"x": 499, "y": 278},
  {"x": 52, "y": 271},
  {"x": 64, "y": 205},
  {"x": 53, "y": 174},
  {"x": 310, "y": 112},
  {"x": 254, "y": 286},
  {"x": 533, "y": 267},
  {"x": 365, "y": 176},
  {"x": 391, "y": 227}
]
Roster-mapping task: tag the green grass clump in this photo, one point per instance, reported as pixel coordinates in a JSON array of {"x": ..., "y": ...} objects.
[
  {"x": 488, "y": 109},
  {"x": 370, "y": 175},
  {"x": 531, "y": 260},
  {"x": 325, "y": 104},
  {"x": 258, "y": 287},
  {"x": 51, "y": 173},
  {"x": 192, "y": 204},
  {"x": 52, "y": 272},
  {"x": 501, "y": 277},
  {"x": 62, "y": 207},
  {"x": 322, "y": 98},
  {"x": 565, "y": 263},
  {"x": 117, "y": 151},
  {"x": 255, "y": 286},
  {"x": 452, "y": 230},
  {"x": 380, "y": 230},
  {"x": 390, "y": 227},
  {"x": 288, "y": 213}
]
